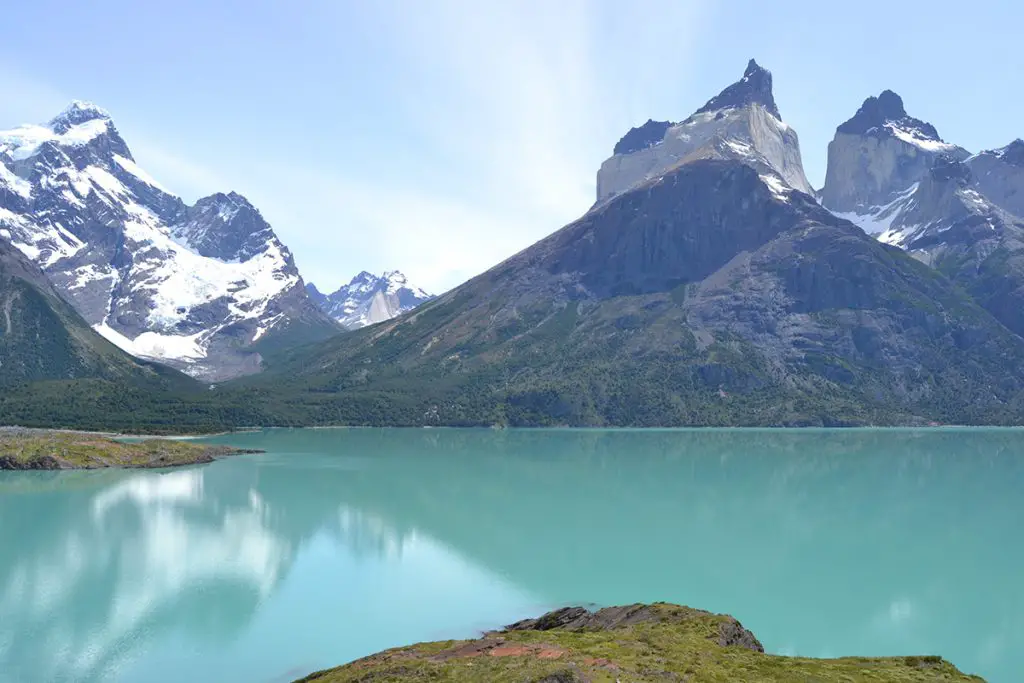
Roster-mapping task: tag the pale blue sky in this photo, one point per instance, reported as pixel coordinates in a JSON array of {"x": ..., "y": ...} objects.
[{"x": 440, "y": 136}]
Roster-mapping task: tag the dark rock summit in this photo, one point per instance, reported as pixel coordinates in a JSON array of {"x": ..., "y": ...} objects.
[
  {"x": 754, "y": 87},
  {"x": 886, "y": 108},
  {"x": 642, "y": 137},
  {"x": 741, "y": 121}
]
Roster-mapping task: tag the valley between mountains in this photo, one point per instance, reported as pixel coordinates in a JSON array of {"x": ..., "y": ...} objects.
[{"x": 709, "y": 284}]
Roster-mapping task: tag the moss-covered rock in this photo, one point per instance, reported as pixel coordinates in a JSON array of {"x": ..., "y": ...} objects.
[{"x": 634, "y": 643}]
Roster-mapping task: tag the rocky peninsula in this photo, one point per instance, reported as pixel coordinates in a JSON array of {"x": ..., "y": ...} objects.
[
  {"x": 635, "y": 643},
  {"x": 39, "y": 449}
]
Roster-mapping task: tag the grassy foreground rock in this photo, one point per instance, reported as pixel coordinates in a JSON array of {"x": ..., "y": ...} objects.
[
  {"x": 32, "y": 449},
  {"x": 636, "y": 643}
]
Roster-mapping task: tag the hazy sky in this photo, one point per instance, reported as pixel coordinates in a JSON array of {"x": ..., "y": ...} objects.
[{"x": 440, "y": 136}]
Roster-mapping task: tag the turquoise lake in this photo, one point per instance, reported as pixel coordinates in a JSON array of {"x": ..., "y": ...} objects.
[{"x": 340, "y": 542}]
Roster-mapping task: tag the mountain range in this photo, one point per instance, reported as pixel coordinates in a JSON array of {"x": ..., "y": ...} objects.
[
  {"x": 208, "y": 288},
  {"x": 709, "y": 284}
]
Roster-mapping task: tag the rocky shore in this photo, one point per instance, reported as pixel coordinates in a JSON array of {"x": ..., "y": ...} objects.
[
  {"x": 635, "y": 643},
  {"x": 38, "y": 449}
]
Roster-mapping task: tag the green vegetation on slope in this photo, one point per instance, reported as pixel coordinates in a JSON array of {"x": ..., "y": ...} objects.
[
  {"x": 44, "y": 450},
  {"x": 657, "y": 643}
]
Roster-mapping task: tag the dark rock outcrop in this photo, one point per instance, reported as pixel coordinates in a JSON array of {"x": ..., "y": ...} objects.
[
  {"x": 642, "y": 137},
  {"x": 754, "y": 87},
  {"x": 731, "y": 632}
]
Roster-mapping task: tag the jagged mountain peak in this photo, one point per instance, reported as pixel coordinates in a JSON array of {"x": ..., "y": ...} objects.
[
  {"x": 228, "y": 227},
  {"x": 886, "y": 113},
  {"x": 81, "y": 127},
  {"x": 228, "y": 206},
  {"x": 754, "y": 88},
  {"x": 78, "y": 112},
  {"x": 741, "y": 122}
]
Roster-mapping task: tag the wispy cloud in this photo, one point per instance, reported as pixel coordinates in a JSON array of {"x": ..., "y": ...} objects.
[{"x": 499, "y": 115}]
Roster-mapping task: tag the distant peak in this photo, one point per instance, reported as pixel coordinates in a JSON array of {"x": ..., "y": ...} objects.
[
  {"x": 76, "y": 113},
  {"x": 1013, "y": 153},
  {"x": 887, "y": 108},
  {"x": 754, "y": 88}
]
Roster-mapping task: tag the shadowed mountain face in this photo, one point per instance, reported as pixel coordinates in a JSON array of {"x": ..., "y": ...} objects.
[
  {"x": 43, "y": 338},
  {"x": 712, "y": 294}
]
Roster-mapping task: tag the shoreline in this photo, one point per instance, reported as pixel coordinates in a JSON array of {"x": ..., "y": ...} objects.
[
  {"x": 189, "y": 436},
  {"x": 35, "y": 449}
]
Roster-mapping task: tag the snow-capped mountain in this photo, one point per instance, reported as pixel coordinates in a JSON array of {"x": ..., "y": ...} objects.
[
  {"x": 893, "y": 175},
  {"x": 742, "y": 117},
  {"x": 875, "y": 161},
  {"x": 194, "y": 286},
  {"x": 369, "y": 299}
]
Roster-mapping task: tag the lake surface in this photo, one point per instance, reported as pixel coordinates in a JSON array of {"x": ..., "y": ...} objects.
[{"x": 338, "y": 543}]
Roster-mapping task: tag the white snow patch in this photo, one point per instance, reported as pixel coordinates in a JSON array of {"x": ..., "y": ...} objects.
[
  {"x": 8, "y": 216},
  {"x": 15, "y": 184},
  {"x": 25, "y": 141},
  {"x": 779, "y": 189},
  {"x": 266, "y": 325},
  {"x": 131, "y": 167},
  {"x": 6, "y": 234},
  {"x": 974, "y": 199},
  {"x": 915, "y": 138},
  {"x": 877, "y": 221},
  {"x": 88, "y": 274},
  {"x": 30, "y": 250},
  {"x": 105, "y": 180},
  {"x": 155, "y": 345}
]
